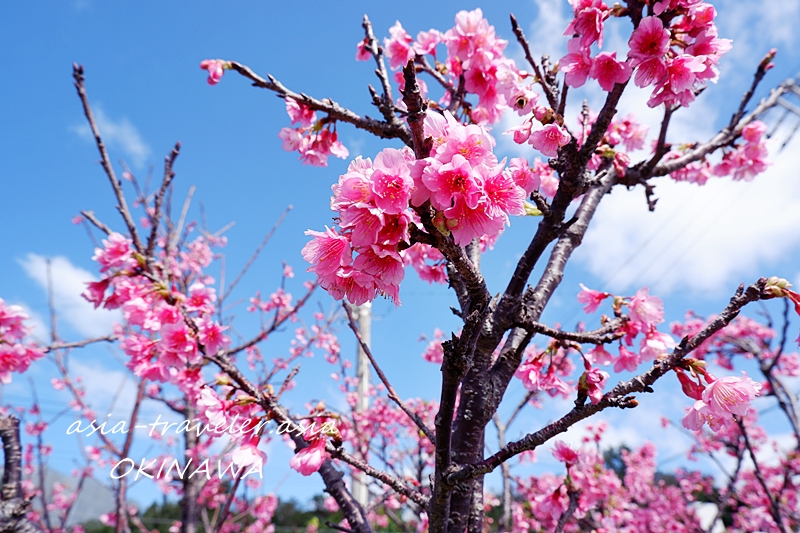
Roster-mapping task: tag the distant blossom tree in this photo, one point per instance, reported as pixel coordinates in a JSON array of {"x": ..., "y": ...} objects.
[{"x": 435, "y": 204}]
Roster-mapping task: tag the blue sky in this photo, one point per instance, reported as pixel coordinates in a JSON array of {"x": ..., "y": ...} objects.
[{"x": 145, "y": 84}]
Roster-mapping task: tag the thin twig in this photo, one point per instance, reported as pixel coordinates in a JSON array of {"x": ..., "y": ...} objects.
[
  {"x": 79, "y": 344},
  {"x": 548, "y": 91},
  {"x": 391, "y": 392},
  {"x": 775, "y": 510},
  {"x": 182, "y": 219},
  {"x": 253, "y": 257},
  {"x": 380, "y": 128},
  {"x": 89, "y": 215},
  {"x": 122, "y": 205},
  {"x": 155, "y": 220}
]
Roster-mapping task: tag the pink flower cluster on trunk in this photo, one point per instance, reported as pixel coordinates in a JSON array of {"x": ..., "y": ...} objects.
[{"x": 472, "y": 193}]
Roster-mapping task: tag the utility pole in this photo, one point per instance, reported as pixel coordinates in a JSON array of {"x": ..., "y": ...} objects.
[{"x": 364, "y": 320}]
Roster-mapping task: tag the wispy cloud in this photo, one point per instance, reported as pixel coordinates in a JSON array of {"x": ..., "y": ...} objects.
[
  {"x": 39, "y": 330},
  {"x": 69, "y": 282},
  {"x": 707, "y": 238},
  {"x": 120, "y": 134}
]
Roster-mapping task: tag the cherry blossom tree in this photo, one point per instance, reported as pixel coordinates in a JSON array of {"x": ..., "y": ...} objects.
[{"x": 435, "y": 201}]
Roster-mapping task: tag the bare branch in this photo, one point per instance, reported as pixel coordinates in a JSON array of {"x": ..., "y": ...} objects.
[
  {"x": 333, "y": 109},
  {"x": 89, "y": 215},
  {"x": 169, "y": 161},
  {"x": 548, "y": 91},
  {"x": 762, "y": 69},
  {"x": 775, "y": 510},
  {"x": 725, "y": 136},
  {"x": 253, "y": 257},
  {"x": 122, "y": 205},
  {"x": 608, "y": 333},
  {"x": 79, "y": 344},
  {"x": 391, "y": 392}
]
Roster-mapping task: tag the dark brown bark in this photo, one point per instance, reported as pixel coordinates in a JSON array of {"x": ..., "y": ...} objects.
[{"x": 13, "y": 508}]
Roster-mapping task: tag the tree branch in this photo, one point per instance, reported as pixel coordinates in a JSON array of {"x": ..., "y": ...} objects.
[
  {"x": 619, "y": 396},
  {"x": 382, "y": 129},
  {"x": 155, "y": 220},
  {"x": 548, "y": 91},
  {"x": 391, "y": 392},
  {"x": 604, "y": 335},
  {"x": 122, "y": 205}
]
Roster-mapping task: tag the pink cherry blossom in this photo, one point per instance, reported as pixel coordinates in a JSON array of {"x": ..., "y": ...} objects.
[
  {"x": 398, "y": 48},
  {"x": 576, "y": 64},
  {"x": 391, "y": 181},
  {"x": 591, "y": 298},
  {"x": 426, "y": 42},
  {"x": 649, "y": 45},
  {"x": 731, "y": 395},
  {"x": 608, "y": 71},
  {"x": 216, "y": 68},
  {"x": 211, "y": 336},
  {"x": 565, "y": 454},
  {"x": 588, "y": 21},
  {"x": 646, "y": 309},
  {"x": 522, "y": 132},
  {"x": 523, "y": 175},
  {"x": 247, "y": 453},
  {"x": 592, "y": 382},
  {"x": 655, "y": 344},
  {"x": 212, "y": 407},
  {"x": 300, "y": 113},
  {"x": 627, "y": 360},
  {"x": 327, "y": 252},
  {"x": 96, "y": 291},
  {"x": 690, "y": 388},
  {"x": 309, "y": 459},
  {"x": 362, "y": 52},
  {"x": 434, "y": 352},
  {"x": 117, "y": 253},
  {"x": 599, "y": 356},
  {"x": 649, "y": 40},
  {"x": 451, "y": 180},
  {"x": 549, "y": 139}
]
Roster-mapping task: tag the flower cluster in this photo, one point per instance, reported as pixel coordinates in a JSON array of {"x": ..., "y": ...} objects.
[
  {"x": 472, "y": 193},
  {"x": 372, "y": 201},
  {"x": 718, "y": 400},
  {"x": 645, "y": 312},
  {"x": 216, "y": 68},
  {"x": 748, "y": 159},
  {"x": 679, "y": 59},
  {"x": 474, "y": 52},
  {"x": 314, "y": 139},
  {"x": 16, "y": 354},
  {"x": 676, "y": 59},
  {"x": 742, "y": 162},
  {"x": 160, "y": 338}
]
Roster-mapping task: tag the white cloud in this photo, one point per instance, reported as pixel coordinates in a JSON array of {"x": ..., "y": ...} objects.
[
  {"x": 69, "y": 282},
  {"x": 707, "y": 238},
  {"x": 755, "y": 27},
  {"x": 545, "y": 33},
  {"x": 39, "y": 330},
  {"x": 120, "y": 134}
]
